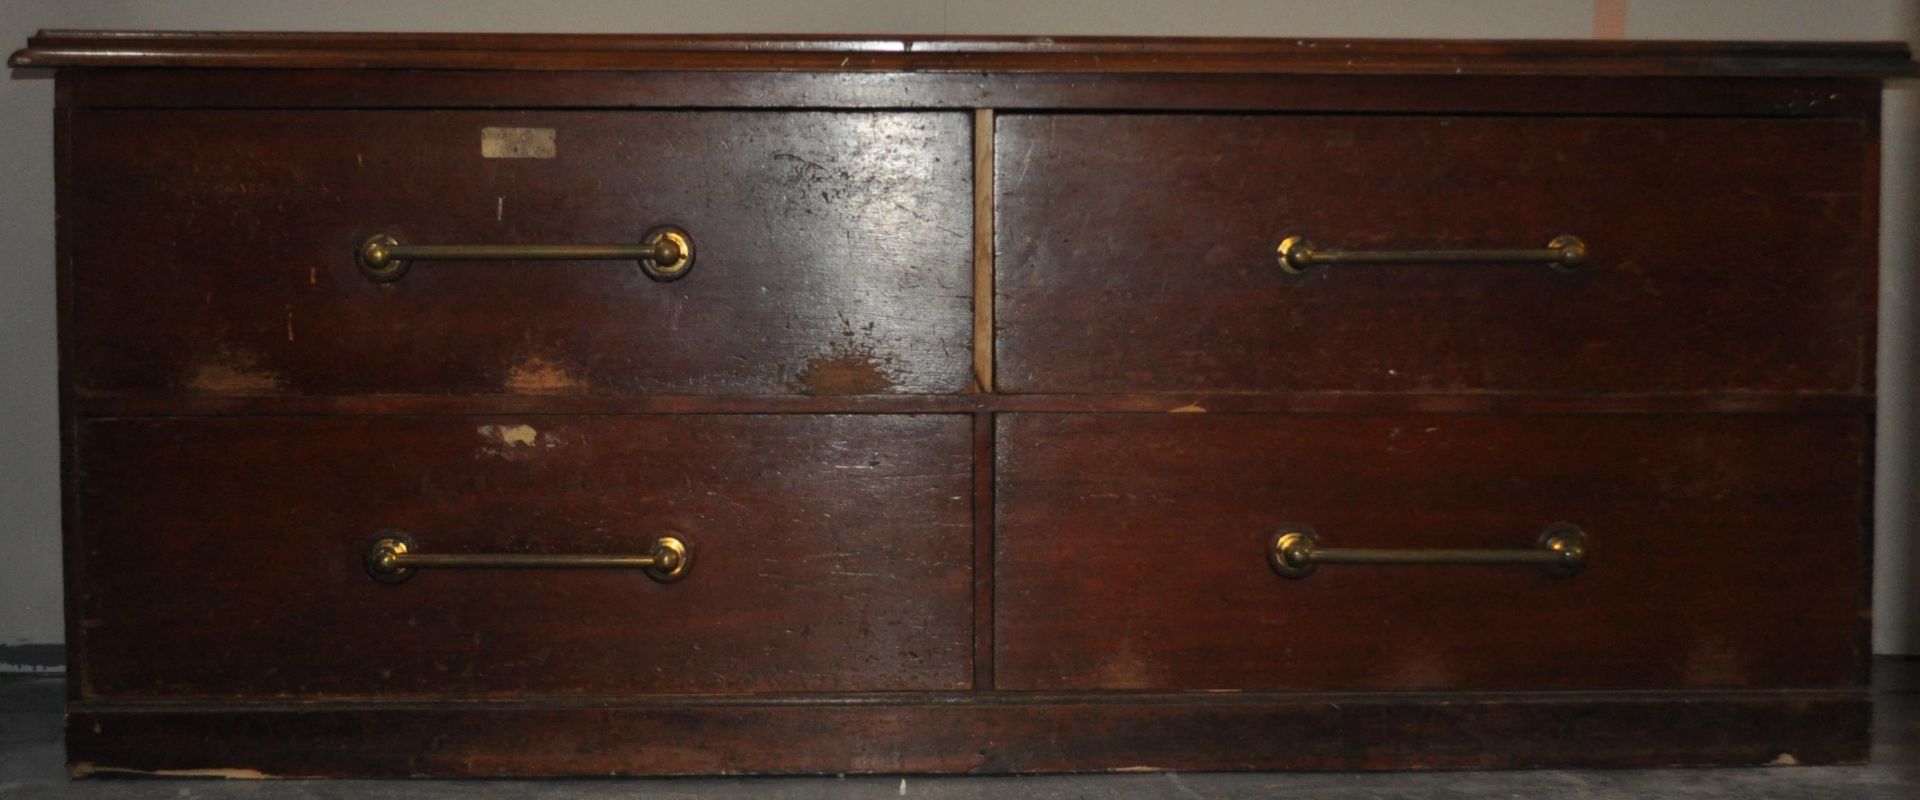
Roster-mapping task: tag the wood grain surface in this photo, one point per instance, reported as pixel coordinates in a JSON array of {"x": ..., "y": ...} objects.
[
  {"x": 1155, "y": 91},
  {"x": 1125, "y": 732},
  {"x": 217, "y": 254},
  {"x": 978, "y": 408},
  {"x": 1130, "y": 552},
  {"x": 853, "y": 54},
  {"x": 1136, "y": 253},
  {"x": 222, "y": 558}
]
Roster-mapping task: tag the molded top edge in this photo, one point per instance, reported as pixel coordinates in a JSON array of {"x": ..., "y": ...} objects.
[{"x": 616, "y": 52}]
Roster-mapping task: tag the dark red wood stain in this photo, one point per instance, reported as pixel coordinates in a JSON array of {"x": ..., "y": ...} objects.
[
  {"x": 899, "y": 566},
  {"x": 1047, "y": 733},
  {"x": 830, "y": 553},
  {"x": 1136, "y": 253},
  {"x": 1131, "y": 552},
  {"x": 832, "y": 254}
]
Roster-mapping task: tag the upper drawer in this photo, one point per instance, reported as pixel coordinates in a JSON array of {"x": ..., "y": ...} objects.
[
  {"x": 228, "y": 557},
  {"x": 1138, "y": 253},
  {"x": 214, "y": 252}
]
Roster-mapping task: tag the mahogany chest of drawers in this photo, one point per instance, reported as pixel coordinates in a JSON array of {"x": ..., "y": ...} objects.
[{"x": 527, "y": 405}]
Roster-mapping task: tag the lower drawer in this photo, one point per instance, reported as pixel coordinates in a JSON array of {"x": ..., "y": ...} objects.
[
  {"x": 1132, "y": 552},
  {"x": 226, "y": 557}
]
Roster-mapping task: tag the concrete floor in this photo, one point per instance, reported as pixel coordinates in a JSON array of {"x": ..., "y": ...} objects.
[{"x": 32, "y": 765}]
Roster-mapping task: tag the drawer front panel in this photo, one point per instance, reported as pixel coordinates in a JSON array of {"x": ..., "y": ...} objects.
[
  {"x": 1138, "y": 253},
  {"x": 224, "y": 557},
  {"x": 214, "y": 253},
  {"x": 1724, "y": 552}
]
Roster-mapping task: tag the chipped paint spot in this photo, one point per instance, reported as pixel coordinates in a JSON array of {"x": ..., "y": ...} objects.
[
  {"x": 511, "y": 435},
  {"x": 514, "y": 442},
  {"x": 1138, "y": 768},
  {"x": 289, "y": 322},
  {"x": 241, "y": 378},
  {"x": 1190, "y": 408},
  {"x": 1784, "y": 760},
  {"x": 540, "y": 376}
]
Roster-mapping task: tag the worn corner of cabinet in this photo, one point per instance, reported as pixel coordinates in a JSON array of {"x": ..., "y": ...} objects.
[{"x": 82, "y": 769}]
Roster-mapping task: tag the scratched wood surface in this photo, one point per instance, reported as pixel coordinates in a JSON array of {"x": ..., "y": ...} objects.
[
  {"x": 856, "y": 54},
  {"x": 1136, "y": 253},
  {"x": 1726, "y": 552},
  {"x": 222, "y": 558},
  {"x": 911, "y": 407},
  {"x": 1128, "y": 732},
  {"x": 833, "y": 254},
  {"x": 1155, "y": 91}
]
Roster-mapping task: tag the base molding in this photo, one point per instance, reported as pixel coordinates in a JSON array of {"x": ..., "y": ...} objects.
[{"x": 971, "y": 733}]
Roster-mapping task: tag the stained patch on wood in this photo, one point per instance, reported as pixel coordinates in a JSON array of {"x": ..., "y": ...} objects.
[
  {"x": 233, "y": 378},
  {"x": 849, "y": 367},
  {"x": 540, "y": 376},
  {"x": 847, "y": 373},
  {"x": 1126, "y": 669},
  {"x": 1712, "y": 661}
]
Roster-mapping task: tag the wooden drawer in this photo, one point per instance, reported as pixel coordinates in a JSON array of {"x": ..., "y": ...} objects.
[
  {"x": 1726, "y": 551},
  {"x": 1137, "y": 253},
  {"x": 224, "y": 557},
  {"x": 214, "y": 254}
]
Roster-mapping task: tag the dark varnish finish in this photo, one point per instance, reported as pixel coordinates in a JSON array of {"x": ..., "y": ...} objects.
[
  {"x": 1130, "y": 552},
  {"x": 977, "y": 410},
  {"x": 854, "y": 54},
  {"x": 983, "y": 734},
  {"x": 1322, "y": 402},
  {"x": 1136, "y": 253},
  {"x": 222, "y": 558},
  {"x": 832, "y": 254},
  {"x": 1508, "y": 94}
]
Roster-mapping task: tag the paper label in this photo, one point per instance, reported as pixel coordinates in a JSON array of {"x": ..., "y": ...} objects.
[{"x": 517, "y": 143}]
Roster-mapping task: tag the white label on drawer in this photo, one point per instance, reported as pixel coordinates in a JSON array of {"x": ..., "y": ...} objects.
[{"x": 516, "y": 143}]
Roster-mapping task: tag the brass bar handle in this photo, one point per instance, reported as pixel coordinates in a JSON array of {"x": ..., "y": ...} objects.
[
  {"x": 664, "y": 254},
  {"x": 1295, "y": 552},
  {"x": 1564, "y": 254},
  {"x": 392, "y": 557}
]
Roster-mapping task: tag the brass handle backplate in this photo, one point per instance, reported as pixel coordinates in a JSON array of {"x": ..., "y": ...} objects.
[
  {"x": 392, "y": 557},
  {"x": 1295, "y": 551},
  {"x": 1564, "y": 254},
  {"x": 664, "y": 254}
]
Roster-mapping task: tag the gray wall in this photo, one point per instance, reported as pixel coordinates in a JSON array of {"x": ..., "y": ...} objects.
[{"x": 30, "y": 606}]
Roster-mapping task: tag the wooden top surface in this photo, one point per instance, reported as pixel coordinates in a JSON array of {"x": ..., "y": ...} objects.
[{"x": 616, "y": 52}]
